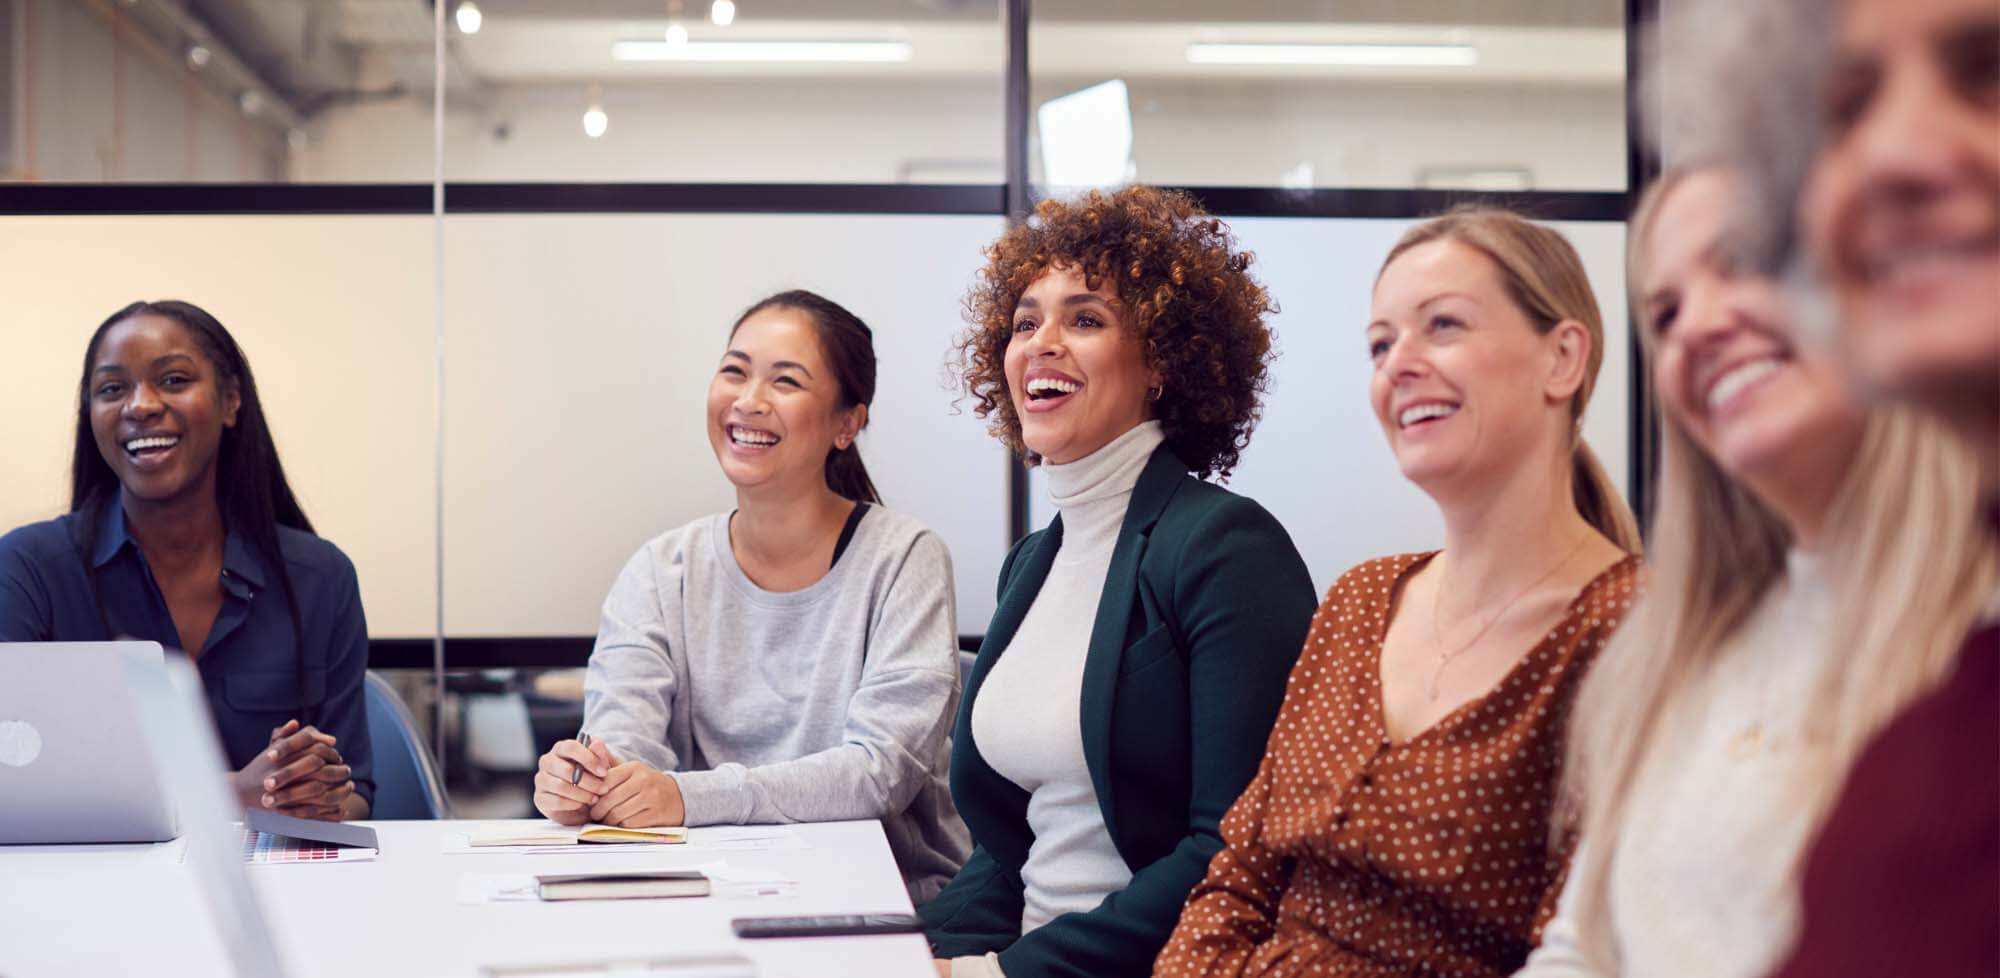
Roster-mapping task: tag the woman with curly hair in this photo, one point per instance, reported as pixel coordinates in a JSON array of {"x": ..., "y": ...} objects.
[
  {"x": 1141, "y": 644},
  {"x": 1400, "y": 824}
]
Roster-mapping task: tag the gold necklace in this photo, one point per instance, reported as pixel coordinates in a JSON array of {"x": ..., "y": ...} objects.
[{"x": 1437, "y": 630}]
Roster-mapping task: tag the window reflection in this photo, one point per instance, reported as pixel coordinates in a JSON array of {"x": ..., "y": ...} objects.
[{"x": 1305, "y": 93}]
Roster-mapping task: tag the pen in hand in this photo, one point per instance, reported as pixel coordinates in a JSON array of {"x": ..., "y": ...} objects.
[{"x": 575, "y": 769}]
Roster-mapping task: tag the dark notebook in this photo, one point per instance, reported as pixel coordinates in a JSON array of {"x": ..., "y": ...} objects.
[
  {"x": 338, "y": 834},
  {"x": 624, "y": 886}
]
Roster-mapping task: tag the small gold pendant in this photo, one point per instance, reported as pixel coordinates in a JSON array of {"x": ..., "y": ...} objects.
[{"x": 1746, "y": 743}]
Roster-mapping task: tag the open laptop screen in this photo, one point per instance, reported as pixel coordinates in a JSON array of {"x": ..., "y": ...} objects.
[{"x": 187, "y": 756}]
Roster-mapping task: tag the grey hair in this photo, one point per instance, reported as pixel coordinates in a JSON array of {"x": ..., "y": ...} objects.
[{"x": 1736, "y": 83}]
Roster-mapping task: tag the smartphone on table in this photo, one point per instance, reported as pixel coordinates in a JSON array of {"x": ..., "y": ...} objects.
[{"x": 827, "y": 925}]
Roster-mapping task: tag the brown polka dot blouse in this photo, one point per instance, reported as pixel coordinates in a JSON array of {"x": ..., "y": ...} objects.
[{"x": 1350, "y": 855}]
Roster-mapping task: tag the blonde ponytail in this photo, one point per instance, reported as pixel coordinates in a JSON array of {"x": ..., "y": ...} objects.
[{"x": 1598, "y": 501}]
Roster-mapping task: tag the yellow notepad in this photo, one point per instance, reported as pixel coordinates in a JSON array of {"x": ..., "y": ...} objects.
[{"x": 559, "y": 835}]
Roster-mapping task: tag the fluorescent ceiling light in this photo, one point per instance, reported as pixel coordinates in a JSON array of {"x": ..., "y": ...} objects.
[
  {"x": 857, "y": 51},
  {"x": 1425, "y": 55}
]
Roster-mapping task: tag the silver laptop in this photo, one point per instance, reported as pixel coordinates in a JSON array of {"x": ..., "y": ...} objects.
[
  {"x": 184, "y": 749},
  {"x": 73, "y": 760}
]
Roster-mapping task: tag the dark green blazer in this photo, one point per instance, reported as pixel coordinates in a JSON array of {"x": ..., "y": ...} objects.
[{"x": 1204, "y": 611}]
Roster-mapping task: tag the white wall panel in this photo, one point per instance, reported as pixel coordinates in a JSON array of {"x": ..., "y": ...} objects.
[
  {"x": 1318, "y": 461},
  {"x": 580, "y": 350},
  {"x": 335, "y": 316}
]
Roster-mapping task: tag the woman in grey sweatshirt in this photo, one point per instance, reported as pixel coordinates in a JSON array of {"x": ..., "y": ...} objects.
[{"x": 792, "y": 660}]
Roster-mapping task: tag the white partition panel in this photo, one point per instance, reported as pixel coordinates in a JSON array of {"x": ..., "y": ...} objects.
[
  {"x": 580, "y": 350},
  {"x": 335, "y": 316},
  {"x": 1318, "y": 461}
]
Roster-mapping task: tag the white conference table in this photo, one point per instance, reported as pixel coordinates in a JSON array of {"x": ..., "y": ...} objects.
[{"x": 130, "y": 910}]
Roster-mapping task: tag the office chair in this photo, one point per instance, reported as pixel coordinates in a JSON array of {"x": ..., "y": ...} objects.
[{"x": 406, "y": 779}]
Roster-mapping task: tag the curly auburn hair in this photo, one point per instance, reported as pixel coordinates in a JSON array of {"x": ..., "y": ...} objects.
[{"x": 1181, "y": 286}]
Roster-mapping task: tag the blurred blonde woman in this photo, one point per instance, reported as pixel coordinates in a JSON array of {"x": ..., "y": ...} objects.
[{"x": 1812, "y": 567}]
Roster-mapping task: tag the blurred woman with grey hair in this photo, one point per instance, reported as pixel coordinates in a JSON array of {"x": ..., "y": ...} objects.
[{"x": 1900, "y": 217}]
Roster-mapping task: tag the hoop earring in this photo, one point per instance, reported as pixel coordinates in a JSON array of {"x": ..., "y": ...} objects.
[{"x": 1153, "y": 393}]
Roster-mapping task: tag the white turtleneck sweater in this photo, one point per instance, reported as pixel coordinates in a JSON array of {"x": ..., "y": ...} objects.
[
  {"x": 1028, "y": 718},
  {"x": 1701, "y": 877}
]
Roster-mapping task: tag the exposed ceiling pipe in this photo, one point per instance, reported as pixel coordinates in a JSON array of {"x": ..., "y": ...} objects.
[{"x": 177, "y": 28}]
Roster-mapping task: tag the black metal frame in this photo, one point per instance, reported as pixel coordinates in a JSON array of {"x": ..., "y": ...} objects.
[
  {"x": 1642, "y": 165},
  {"x": 1020, "y": 202},
  {"x": 1012, "y": 200},
  {"x": 502, "y": 198},
  {"x": 508, "y": 652}
]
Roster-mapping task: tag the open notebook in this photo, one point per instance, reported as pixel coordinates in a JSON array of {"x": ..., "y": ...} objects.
[{"x": 551, "y": 834}]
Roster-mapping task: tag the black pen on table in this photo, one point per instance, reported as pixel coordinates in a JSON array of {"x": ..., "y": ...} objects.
[{"x": 575, "y": 769}]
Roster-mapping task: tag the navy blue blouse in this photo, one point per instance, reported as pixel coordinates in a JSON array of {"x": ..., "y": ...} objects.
[{"x": 250, "y": 666}]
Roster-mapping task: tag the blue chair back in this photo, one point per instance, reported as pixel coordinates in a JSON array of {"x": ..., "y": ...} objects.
[{"x": 406, "y": 779}]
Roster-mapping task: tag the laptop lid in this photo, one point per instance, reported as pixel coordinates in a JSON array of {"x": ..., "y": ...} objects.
[
  {"x": 189, "y": 756},
  {"x": 73, "y": 765}
]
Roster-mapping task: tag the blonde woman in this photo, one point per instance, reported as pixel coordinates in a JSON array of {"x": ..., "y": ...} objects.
[
  {"x": 1399, "y": 821},
  {"x": 1812, "y": 569}
]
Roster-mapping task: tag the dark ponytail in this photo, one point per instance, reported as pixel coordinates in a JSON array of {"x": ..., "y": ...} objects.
[
  {"x": 250, "y": 485},
  {"x": 849, "y": 347}
]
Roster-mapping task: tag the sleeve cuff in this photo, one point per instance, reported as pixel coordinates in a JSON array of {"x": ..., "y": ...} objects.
[
  {"x": 711, "y": 797},
  {"x": 977, "y": 966}
]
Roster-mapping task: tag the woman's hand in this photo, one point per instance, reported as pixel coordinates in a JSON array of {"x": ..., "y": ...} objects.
[
  {"x": 637, "y": 797},
  {"x": 300, "y": 774},
  {"x": 563, "y": 802}
]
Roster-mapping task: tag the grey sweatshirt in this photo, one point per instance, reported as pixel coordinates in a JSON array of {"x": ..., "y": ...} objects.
[{"x": 834, "y": 702}]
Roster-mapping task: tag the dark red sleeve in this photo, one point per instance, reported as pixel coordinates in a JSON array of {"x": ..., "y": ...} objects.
[{"x": 1905, "y": 876}]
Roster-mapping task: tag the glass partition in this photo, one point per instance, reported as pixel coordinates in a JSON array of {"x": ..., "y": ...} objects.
[
  {"x": 1509, "y": 95},
  {"x": 212, "y": 91},
  {"x": 740, "y": 91},
  {"x": 1319, "y": 460},
  {"x": 573, "y": 322}
]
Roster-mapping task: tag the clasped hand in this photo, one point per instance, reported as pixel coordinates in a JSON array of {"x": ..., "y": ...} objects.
[
  {"x": 298, "y": 774},
  {"x": 630, "y": 794}
]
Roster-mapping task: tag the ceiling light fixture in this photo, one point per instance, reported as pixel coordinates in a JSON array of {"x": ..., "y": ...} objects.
[
  {"x": 677, "y": 34},
  {"x": 875, "y": 52},
  {"x": 1392, "y": 55},
  {"x": 198, "y": 56},
  {"x": 595, "y": 121},
  {"x": 722, "y": 13},
  {"x": 469, "y": 17},
  {"x": 250, "y": 101}
]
